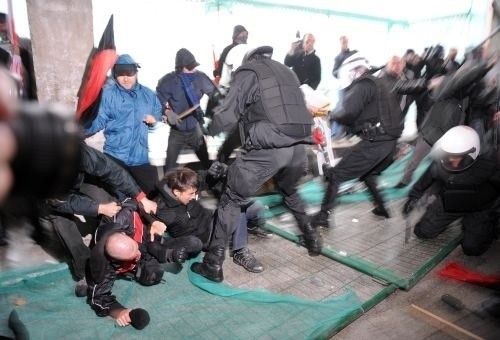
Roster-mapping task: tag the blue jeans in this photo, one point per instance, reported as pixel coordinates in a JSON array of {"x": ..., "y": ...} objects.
[{"x": 240, "y": 235}]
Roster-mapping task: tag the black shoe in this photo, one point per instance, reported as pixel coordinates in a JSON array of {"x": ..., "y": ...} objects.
[
  {"x": 81, "y": 288},
  {"x": 381, "y": 212},
  {"x": 212, "y": 272},
  {"x": 400, "y": 185},
  {"x": 320, "y": 220},
  {"x": 312, "y": 240},
  {"x": 259, "y": 232},
  {"x": 245, "y": 258}
]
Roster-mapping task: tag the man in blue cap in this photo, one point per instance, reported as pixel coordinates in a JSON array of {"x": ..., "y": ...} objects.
[{"x": 127, "y": 110}]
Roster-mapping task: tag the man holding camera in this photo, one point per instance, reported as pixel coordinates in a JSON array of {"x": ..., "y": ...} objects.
[{"x": 304, "y": 62}]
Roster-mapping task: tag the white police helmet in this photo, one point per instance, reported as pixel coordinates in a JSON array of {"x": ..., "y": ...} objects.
[
  {"x": 352, "y": 68},
  {"x": 458, "y": 148}
]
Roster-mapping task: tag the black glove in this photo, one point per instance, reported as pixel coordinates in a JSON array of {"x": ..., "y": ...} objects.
[
  {"x": 177, "y": 255},
  {"x": 409, "y": 206},
  {"x": 218, "y": 170},
  {"x": 172, "y": 117}
]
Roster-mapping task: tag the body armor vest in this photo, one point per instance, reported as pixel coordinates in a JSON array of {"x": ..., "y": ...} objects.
[
  {"x": 469, "y": 190},
  {"x": 389, "y": 121},
  {"x": 281, "y": 102}
]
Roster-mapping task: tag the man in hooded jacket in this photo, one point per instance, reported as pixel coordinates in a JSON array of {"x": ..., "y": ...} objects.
[
  {"x": 127, "y": 110},
  {"x": 179, "y": 91},
  {"x": 240, "y": 36}
]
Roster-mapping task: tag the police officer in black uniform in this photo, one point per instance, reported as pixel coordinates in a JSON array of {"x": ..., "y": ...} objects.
[
  {"x": 267, "y": 103},
  {"x": 467, "y": 185},
  {"x": 372, "y": 112}
]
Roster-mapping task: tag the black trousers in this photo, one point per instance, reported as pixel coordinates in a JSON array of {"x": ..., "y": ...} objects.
[
  {"x": 71, "y": 239},
  {"x": 194, "y": 139},
  {"x": 146, "y": 176},
  {"x": 478, "y": 226},
  {"x": 365, "y": 160},
  {"x": 247, "y": 174}
]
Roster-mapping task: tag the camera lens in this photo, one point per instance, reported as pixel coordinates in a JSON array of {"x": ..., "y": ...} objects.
[{"x": 48, "y": 154}]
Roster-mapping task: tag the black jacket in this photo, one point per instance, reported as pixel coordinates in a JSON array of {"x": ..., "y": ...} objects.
[
  {"x": 218, "y": 71},
  {"x": 103, "y": 271},
  {"x": 95, "y": 166},
  {"x": 183, "y": 220},
  {"x": 306, "y": 67},
  {"x": 473, "y": 189}
]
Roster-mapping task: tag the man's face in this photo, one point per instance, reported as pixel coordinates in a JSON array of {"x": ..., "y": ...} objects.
[
  {"x": 454, "y": 161},
  {"x": 344, "y": 43},
  {"x": 396, "y": 66},
  {"x": 308, "y": 44},
  {"x": 185, "y": 196},
  {"x": 135, "y": 253},
  {"x": 4, "y": 32},
  {"x": 127, "y": 79}
]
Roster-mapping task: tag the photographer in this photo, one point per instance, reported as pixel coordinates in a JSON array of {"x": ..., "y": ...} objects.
[
  {"x": 39, "y": 151},
  {"x": 304, "y": 62}
]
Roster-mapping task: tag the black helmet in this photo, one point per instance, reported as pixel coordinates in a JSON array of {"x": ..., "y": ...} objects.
[{"x": 263, "y": 51}]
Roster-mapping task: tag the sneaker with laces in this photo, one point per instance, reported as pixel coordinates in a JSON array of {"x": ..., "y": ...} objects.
[
  {"x": 259, "y": 232},
  {"x": 245, "y": 258}
]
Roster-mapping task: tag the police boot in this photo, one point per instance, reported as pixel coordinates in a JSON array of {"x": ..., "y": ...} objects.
[
  {"x": 211, "y": 267},
  {"x": 320, "y": 220},
  {"x": 312, "y": 239},
  {"x": 380, "y": 210}
]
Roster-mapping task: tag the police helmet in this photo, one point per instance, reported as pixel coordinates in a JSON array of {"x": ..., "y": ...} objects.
[
  {"x": 264, "y": 51},
  {"x": 458, "y": 148},
  {"x": 352, "y": 68}
]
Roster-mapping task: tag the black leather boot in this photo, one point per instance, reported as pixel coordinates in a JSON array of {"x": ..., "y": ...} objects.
[
  {"x": 312, "y": 239},
  {"x": 380, "y": 210},
  {"x": 211, "y": 267},
  {"x": 320, "y": 220}
]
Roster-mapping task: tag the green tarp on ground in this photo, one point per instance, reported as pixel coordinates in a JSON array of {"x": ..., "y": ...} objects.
[{"x": 185, "y": 306}]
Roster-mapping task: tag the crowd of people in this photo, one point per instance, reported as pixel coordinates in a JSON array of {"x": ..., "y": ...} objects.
[{"x": 144, "y": 218}]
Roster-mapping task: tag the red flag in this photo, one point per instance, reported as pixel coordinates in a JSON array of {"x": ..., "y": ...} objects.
[
  {"x": 457, "y": 271},
  {"x": 216, "y": 66},
  {"x": 101, "y": 60}
]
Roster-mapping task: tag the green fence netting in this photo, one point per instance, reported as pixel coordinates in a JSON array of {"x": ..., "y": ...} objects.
[
  {"x": 352, "y": 191},
  {"x": 296, "y": 297},
  {"x": 382, "y": 248},
  {"x": 179, "y": 309}
]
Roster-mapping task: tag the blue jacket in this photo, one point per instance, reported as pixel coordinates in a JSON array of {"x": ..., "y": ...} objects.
[
  {"x": 170, "y": 90},
  {"x": 121, "y": 115}
]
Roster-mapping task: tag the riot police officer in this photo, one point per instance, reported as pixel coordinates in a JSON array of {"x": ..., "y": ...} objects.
[
  {"x": 468, "y": 187},
  {"x": 267, "y": 103},
  {"x": 372, "y": 112}
]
